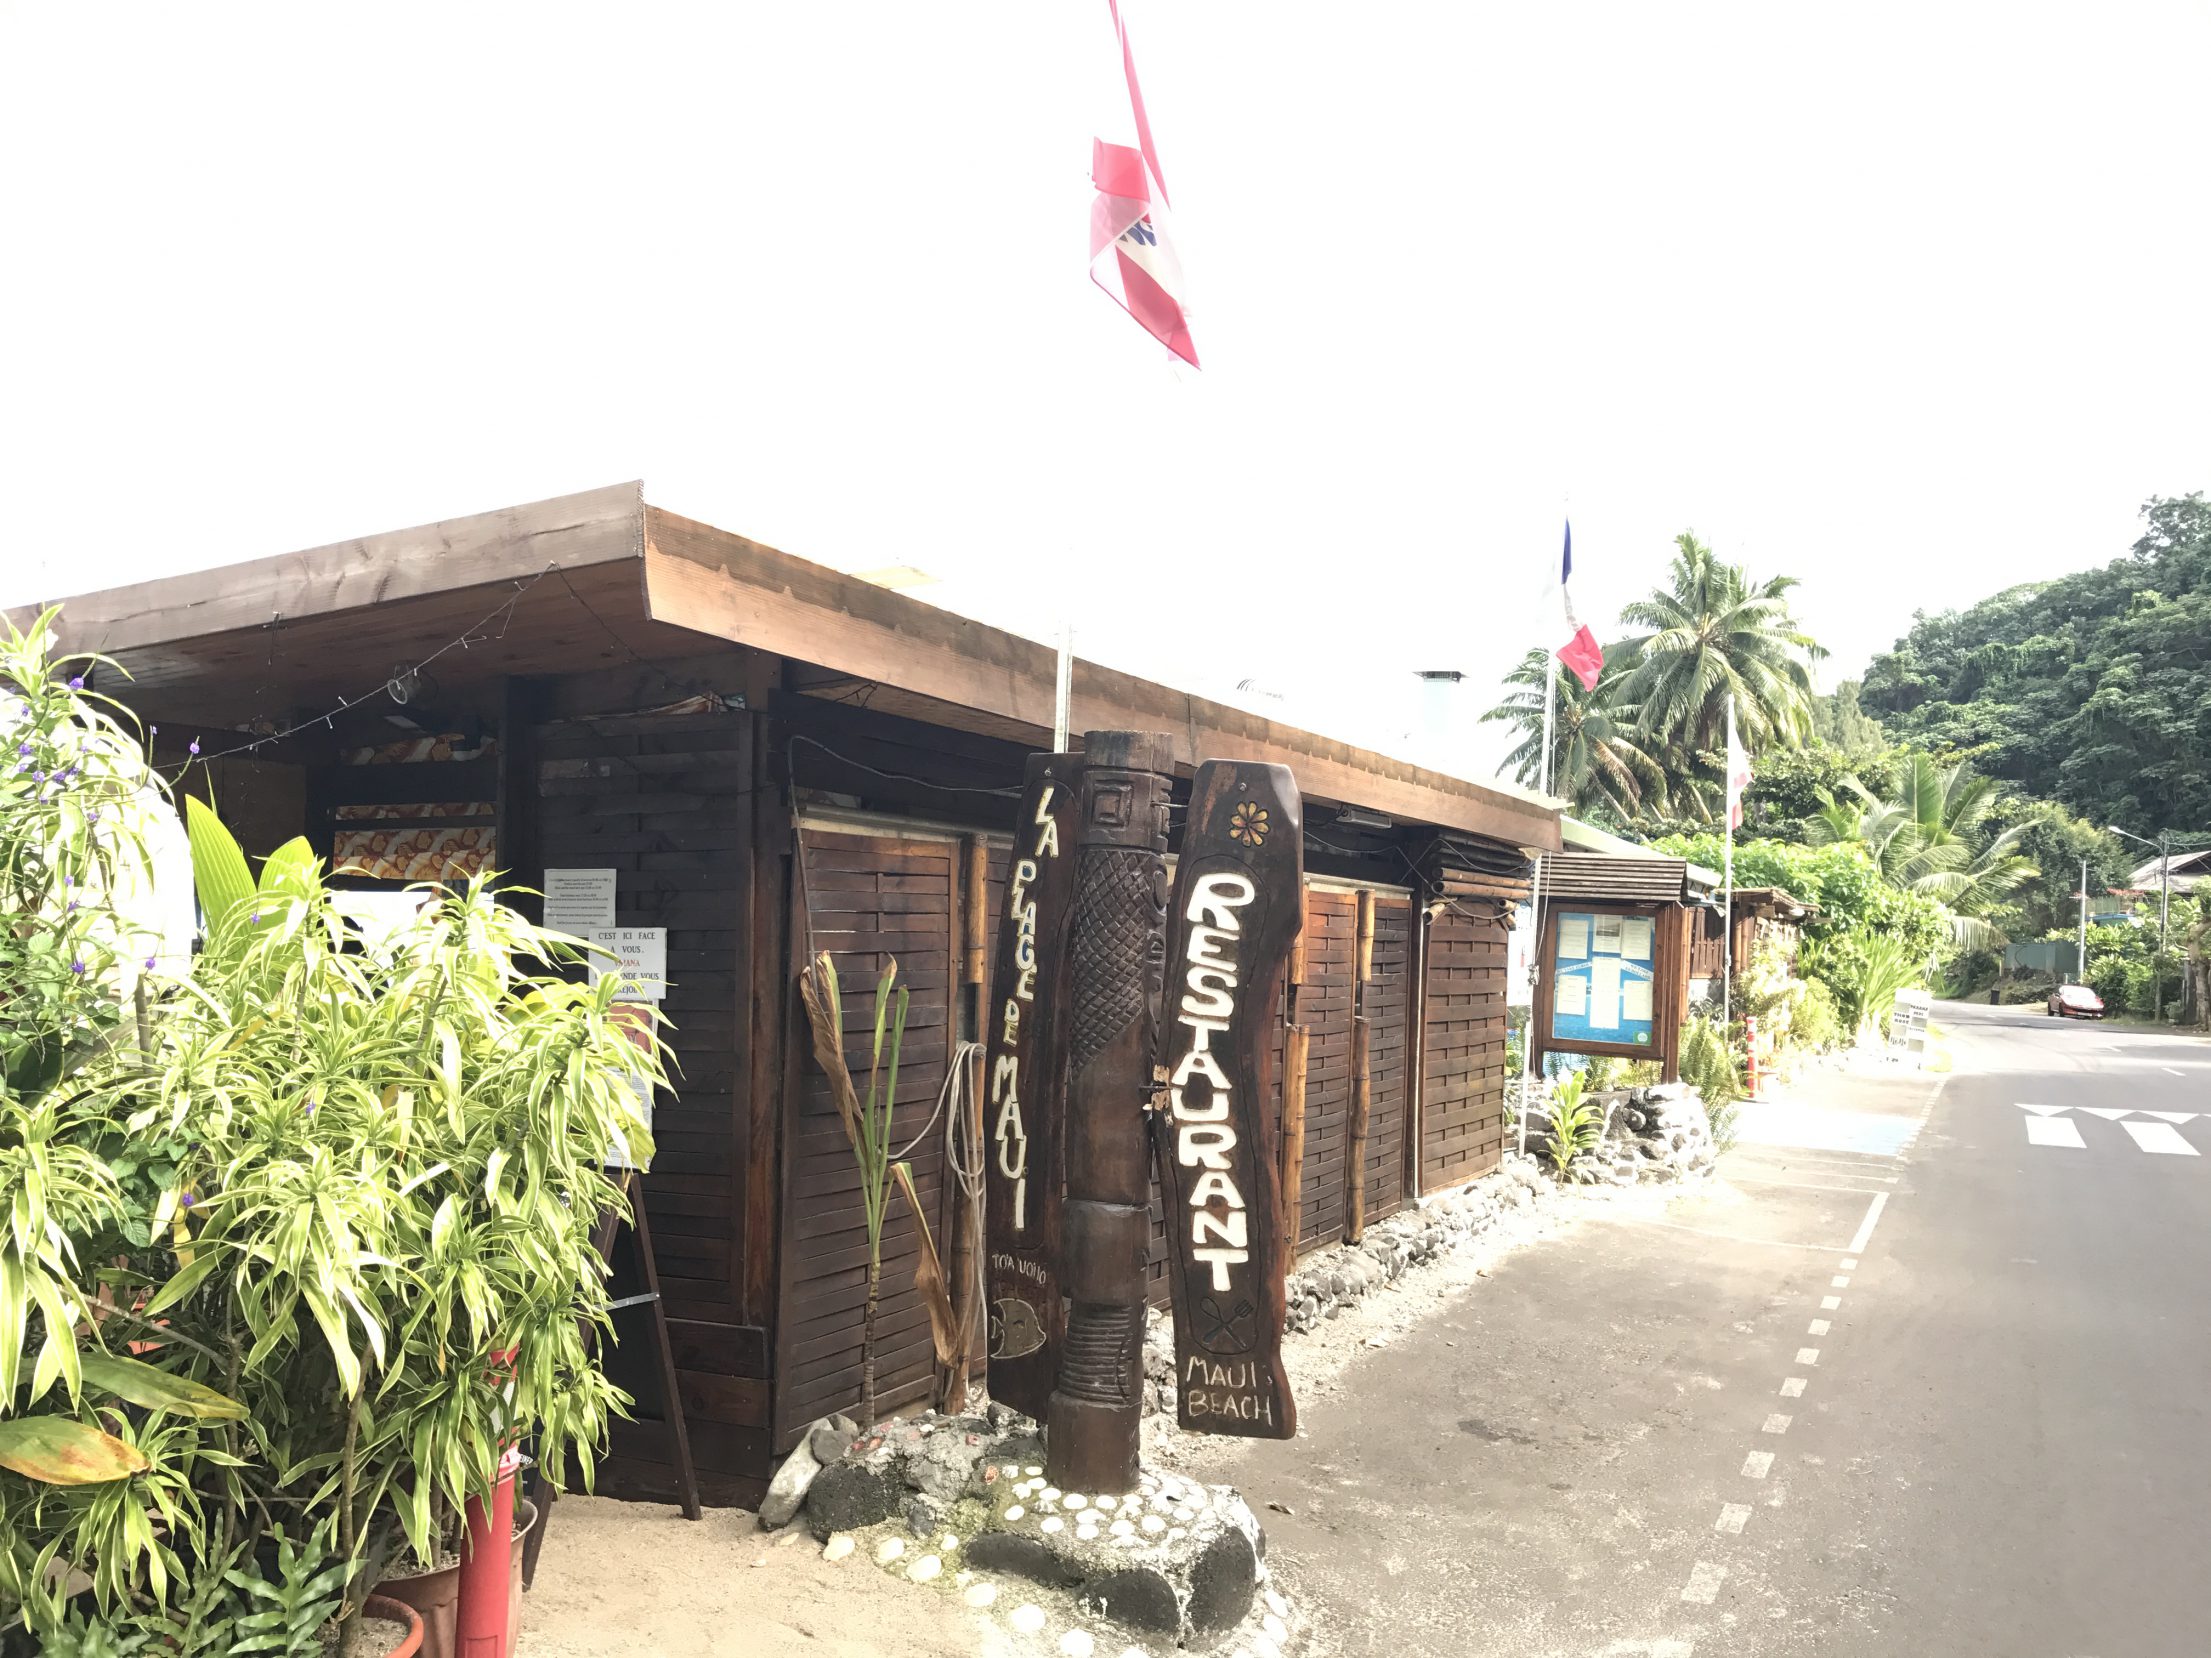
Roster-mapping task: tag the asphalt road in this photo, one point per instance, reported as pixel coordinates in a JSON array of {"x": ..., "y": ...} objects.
[{"x": 1914, "y": 1377}]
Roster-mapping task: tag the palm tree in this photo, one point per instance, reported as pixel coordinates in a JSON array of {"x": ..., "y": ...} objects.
[
  {"x": 1597, "y": 761},
  {"x": 1713, "y": 633},
  {"x": 1933, "y": 838}
]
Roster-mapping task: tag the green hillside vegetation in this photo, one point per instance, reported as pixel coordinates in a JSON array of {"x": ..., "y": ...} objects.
[{"x": 2091, "y": 690}]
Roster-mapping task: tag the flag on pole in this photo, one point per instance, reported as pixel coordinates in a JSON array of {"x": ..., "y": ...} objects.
[
  {"x": 1738, "y": 771},
  {"x": 1130, "y": 255},
  {"x": 1581, "y": 652}
]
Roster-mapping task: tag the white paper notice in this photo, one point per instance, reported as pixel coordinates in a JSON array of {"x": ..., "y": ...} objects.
[
  {"x": 1604, "y": 994},
  {"x": 641, "y": 957},
  {"x": 579, "y": 901},
  {"x": 1573, "y": 937},
  {"x": 1608, "y": 934},
  {"x": 1573, "y": 996},
  {"x": 1635, "y": 937},
  {"x": 1635, "y": 1000}
]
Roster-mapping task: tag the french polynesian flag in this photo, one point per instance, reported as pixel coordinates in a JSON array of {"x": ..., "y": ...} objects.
[
  {"x": 1130, "y": 256},
  {"x": 1581, "y": 653}
]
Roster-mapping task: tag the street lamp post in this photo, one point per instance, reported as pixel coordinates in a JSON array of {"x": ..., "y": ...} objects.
[{"x": 2162, "y": 846}]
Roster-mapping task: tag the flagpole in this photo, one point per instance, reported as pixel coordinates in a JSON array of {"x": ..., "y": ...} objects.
[
  {"x": 1535, "y": 947},
  {"x": 1727, "y": 912}
]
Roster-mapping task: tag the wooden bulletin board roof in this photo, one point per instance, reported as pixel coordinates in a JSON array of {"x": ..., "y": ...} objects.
[{"x": 586, "y": 580}]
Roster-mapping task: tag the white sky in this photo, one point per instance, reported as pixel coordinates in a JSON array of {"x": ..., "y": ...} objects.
[{"x": 1908, "y": 300}]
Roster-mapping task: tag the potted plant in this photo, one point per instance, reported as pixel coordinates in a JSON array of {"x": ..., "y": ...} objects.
[{"x": 303, "y": 1238}]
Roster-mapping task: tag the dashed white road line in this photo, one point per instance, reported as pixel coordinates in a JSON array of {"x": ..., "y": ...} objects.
[
  {"x": 1733, "y": 1517},
  {"x": 1776, "y": 1423},
  {"x": 1757, "y": 1465},
  {"x": 1828, "y": 1303},
  {"x": 1793, "y": 1388},
  {"x": 1840, "y": 1281},
  {"x": 1850, "y": 1263},
  {"x": 1818, "y": 1327},
  {"x": 1704, "y": 1583},
  {"x": 1866, "y": 1226},
  {"x": 1807, "y": 1355},
  {"x": 2055, "y": 1131}
]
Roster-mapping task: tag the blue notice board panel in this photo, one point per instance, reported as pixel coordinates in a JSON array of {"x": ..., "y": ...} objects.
[{"x": 1601, "y": 978}]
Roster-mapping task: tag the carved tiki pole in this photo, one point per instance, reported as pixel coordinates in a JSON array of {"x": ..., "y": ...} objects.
[{"x": 1093, "y": 1429}]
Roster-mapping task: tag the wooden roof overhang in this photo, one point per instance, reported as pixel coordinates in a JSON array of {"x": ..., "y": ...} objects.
[{"x": 602, "y": 578}]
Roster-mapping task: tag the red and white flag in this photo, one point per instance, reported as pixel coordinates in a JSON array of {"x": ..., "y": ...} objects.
[
  {"x": 1130, "y": 256},
  {"x": 1738, "y": 771},
  {"x": 1581, "y": 652}
]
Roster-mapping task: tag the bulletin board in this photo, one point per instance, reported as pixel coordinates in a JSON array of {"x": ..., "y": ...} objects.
[
  {"x": 1614, "y": 980},
  {"x": 1603, "y": 965}
]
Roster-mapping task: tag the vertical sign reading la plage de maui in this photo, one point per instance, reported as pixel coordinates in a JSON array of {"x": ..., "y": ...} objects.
[
  {"x": 1025, "y": 1086},
  {"x": 1234, "y": 912}
]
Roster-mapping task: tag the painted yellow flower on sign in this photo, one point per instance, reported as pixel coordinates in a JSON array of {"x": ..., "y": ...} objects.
[{"x": 1248, "y": 823}]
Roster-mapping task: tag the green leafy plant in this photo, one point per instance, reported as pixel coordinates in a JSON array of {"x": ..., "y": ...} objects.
[
  {"x": 300, "y": 1236},
  {"x": 1576, "y": 1125},
  {"x": 1709, "y": 1065},
  {"x": 1866, "y": 972},
  {"x": 867, "y": 1124}
]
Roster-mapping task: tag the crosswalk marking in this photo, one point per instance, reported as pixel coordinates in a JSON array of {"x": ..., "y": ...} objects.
[
  {"x": 2054, "y": 1125},
  {"x": 2162, "y": 1138}
]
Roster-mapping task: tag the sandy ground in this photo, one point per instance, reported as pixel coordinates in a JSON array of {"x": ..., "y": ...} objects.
[{"x": 631, "y": 1579}]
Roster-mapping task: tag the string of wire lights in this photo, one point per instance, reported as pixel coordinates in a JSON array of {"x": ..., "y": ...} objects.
[{"x": 502, "y": 614}]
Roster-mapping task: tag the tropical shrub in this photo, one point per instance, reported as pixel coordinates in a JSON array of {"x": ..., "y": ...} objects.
[
  {"x": 303, "y": 1230},
  {"x": 1575, "y": 1124},
  {"x": 1818, "y": 1024},
  {"x": 1709, "y": 1065}
]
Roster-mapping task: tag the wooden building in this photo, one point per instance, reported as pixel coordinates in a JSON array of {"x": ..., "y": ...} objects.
[
  {"x": 775, "y": 758},
  {"x": 1758, "y": 912}
]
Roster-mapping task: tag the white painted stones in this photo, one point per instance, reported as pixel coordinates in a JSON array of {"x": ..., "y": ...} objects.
[
  {"x": 838, "y": 1546},
  {"x": 889, "y": 1549},
  {"x": 1052, "y": 1522},
  {"x": 1154, "y": 1524},
  {"x": 1108, "y": 1502},
  {"x": 1026, "y": 1618},
  {"x": 1122, "y": 1528},
  {"x": 1075, "y": 1499},
  {"x": 1014, "y": 1512},
  {"x": 981, "y": 1594},
  {"x": 1050, "y": 1494},
  {"x": 1032, "y": 1472},
  {"x": 948, "y": 1542},
  {"x": 1078, "y": 1643},
  {"x": 924, "y": 1570}
]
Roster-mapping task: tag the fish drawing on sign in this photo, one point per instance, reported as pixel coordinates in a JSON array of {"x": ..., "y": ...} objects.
[{"x": 1015, "y": 1329}]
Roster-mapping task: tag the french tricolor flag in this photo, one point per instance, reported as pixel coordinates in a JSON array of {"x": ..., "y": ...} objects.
[{"x": 1581, "y": 652}]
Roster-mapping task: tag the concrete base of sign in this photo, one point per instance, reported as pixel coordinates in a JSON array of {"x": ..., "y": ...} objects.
[{"x": 1173, "y": 1559}]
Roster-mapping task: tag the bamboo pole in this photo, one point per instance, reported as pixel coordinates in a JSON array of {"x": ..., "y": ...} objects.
[
  {"x": 1362, "y": 1079},
  {"x": 1297, "y": 1045}
]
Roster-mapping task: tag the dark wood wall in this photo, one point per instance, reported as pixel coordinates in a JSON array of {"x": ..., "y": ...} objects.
[
  {"x": 668, "y": 801},
  {"x": 867, "y": 899},
  {"x": 1463, "y": 1100}
]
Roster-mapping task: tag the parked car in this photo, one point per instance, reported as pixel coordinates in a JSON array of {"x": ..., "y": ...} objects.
[{"x": 2075, "y": 1001}]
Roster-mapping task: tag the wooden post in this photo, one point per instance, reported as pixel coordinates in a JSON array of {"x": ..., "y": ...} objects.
[
  {"x": 1362, "y": 1080},
  {"x": 1297, "y": 1049},
  {"x": 1025, "y": 1103},
  {"x": 1234, "y": 912},
  {"x": 1093, "y": 1426},
  {"x": 964, "y": 1241}
]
